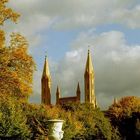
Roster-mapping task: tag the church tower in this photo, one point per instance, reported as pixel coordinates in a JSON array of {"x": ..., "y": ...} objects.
[
  {"x": 89, "y": 82},
  {"x": 46, "y": 84}
]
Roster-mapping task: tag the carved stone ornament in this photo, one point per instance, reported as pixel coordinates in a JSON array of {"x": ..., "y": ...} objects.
[{"x": 55, "y": 129}]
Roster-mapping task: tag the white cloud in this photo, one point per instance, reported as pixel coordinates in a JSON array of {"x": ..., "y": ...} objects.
[{"x": 37, "y": 15}]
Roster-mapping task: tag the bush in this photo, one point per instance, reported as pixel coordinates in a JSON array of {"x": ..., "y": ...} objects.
[
  {"x": 94, "y": 125},
  {"x": 81, "y": 121},
  {"x": 12, "y": 119}
]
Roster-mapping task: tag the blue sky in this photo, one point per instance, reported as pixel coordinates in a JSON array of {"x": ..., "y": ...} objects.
[
  {"x": 57, "y": 37},
  {"x": 63, "y": 30},
  {"x": 57, "y": 42}
]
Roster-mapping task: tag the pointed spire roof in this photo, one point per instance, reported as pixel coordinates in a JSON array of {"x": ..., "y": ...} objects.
[
  {"x": 89, "y": 65},
  {"x": 46, "y": 72},
  {"x": 58, "y": 90},
  {"x": 78, "y": 87}
]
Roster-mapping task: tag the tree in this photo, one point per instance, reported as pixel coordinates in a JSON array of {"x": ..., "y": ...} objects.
[
  {"x": 16, "y": 65},
  {"x": 7, "y": 13},
  {"x": 125, "y": 115},
  {"x": 16, "y": 73},
  {"x": 16, "y": 68},
  {"x": 125, "y": 107}
]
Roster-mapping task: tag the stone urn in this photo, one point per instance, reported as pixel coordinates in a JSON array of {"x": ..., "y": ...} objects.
[{"x": 55, "y": 129}]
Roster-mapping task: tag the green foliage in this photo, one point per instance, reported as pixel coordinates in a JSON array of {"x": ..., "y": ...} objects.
[
  {"x": 38, "y": 115},
  {"x": 82, "y": 121},
  {"x": 12, "y": 119},
  {"x": 36, "y": 120},
  {"x": 94, "y": 125}
]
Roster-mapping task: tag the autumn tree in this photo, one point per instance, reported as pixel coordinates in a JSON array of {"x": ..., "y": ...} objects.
[
  {"x": 125, "y": 114},
  {"x": 7, "y": 13},
  {"x": 16, "y": 73},
  {"x": 16, "y": 65},
  {"x": 16, "y": 68},
  {"x": 124, "y": 107}
]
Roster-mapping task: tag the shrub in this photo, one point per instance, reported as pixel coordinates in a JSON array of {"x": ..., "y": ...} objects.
[{"x": 12, "y": 119}]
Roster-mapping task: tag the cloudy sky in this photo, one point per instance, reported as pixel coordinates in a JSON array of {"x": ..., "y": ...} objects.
[{"x": 64, "y": 28}]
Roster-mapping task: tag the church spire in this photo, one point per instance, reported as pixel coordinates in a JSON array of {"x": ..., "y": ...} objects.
[
  {"x": 46, "y": 84},
  {"x": 57, "y": 95},
  {"x": 46, "y": 72},
  {"x": 78, "y": 92},
  {"x": 89, "y": 65},
  {"x": 89, "y": 81}
]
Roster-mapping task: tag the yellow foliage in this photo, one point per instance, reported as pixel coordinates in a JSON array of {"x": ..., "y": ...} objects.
[
  {"x": 124, "y": 107},
  {"x": 16, "y": 65},
  {"x": 130, "y": 102},
  {"x": 2, "y": 39},
  {"x": 16, "y": 68},
  {"x": 7, "y": 13}
]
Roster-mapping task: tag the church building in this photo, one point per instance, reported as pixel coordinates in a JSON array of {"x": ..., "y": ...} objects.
[{"x": 89, "y": 86}]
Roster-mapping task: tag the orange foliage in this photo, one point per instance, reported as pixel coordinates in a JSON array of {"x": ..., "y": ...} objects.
[
  {"x": 16, "y": 67},
  {"x": 124, "y": 107},
  {"x": 7, "y": 13},
  {"x": 130, "y": 102},
  {"x": 2, "y": 39}
]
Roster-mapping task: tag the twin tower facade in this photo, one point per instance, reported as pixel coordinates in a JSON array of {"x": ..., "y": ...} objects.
[{"x": 88, "y": 85}]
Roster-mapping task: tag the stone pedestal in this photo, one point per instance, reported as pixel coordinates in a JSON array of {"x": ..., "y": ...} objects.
[{"x": 55, "y": 129}]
